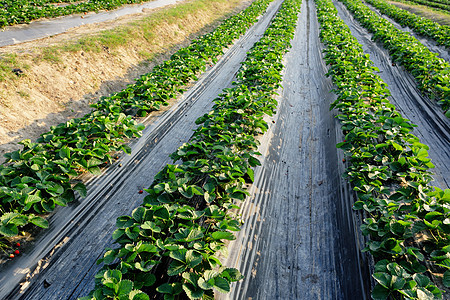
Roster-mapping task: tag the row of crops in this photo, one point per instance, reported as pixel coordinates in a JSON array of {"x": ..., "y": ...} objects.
[
  {"x": 432, "y": 73},
  {"x": 24, "y": 11},
  {"x": 181, "y": 227},
  {"x": 170, "y": 245},
  {"x": 389, "y": 169},
  {"x": 439, "y": 4},
  {"x": 42, "y": 175},
  {"x": 422, "y": 26}
]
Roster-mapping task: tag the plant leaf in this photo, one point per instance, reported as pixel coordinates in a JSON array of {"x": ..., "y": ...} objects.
[
  {"x": 193, "y": 258},
  {"x": 125, "y": 287},
  {"x": 223, "y": 235},
  {"x": 221, "y": 285},
  {"x": 38, "y": 221},
  {"x": 9, "y": 230},
  {"x": 446, "y": 279},
  {"x": 192, "y": 291},
  {"x": 176, "y": 267},
  {"x": 81, "y": 189},
  {"x": 379, "y": 292}
]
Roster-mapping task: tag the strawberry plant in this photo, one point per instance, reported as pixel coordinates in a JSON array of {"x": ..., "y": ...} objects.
[
  {"x": 423, "y": 26},
  {"x": 170, "y": 245},
  {"x": 407, "y": 220},
  {"x": 432, "y": 74},
  {"x": 41, "y": 175}
]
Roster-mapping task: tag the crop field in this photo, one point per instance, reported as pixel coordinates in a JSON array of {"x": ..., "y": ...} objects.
[
  {"x": 299, "y": 149},
  {"x": 24, "y": 11}
]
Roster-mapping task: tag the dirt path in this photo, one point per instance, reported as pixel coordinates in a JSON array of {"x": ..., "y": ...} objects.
[
  {"x": 433, "y": 127},
  {"x": 299, "y": 239},
  {"x": 78, "y": 234}
]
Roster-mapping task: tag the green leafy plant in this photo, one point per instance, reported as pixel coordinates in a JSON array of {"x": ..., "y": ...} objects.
[
  {"x": 423, "y": 26},
  {"x": 187, "y": 217},
  {"x": 389, "y": 170},
  {"x": 42, "y": 174},
  {"x": 432, "y": 74}
]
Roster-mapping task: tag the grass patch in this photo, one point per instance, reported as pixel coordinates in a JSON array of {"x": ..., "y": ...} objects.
[
  {"x": 146, "y": 55},
  {"x": 8, "y": 63},
  {"x": 146, "y": 28},
  {"x": 108, "y": 39},
  {"x": 51, "y": 54},
  {"x": 23, "y": 94}
]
